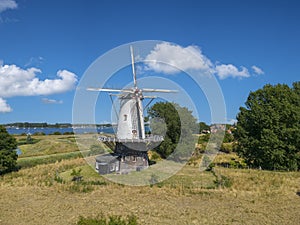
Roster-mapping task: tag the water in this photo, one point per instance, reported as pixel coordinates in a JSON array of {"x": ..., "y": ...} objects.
[
  {"x": 47, "y": 131},
  {"x": 78, "y": 130}
]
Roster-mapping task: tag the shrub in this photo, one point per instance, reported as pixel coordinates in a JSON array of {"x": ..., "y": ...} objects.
[
  {"x": 111, "y": 220},
  {"x": 8, "y": 155},
  {"x": 226, "y": 147},
  {"x": 223, "y": 181}
]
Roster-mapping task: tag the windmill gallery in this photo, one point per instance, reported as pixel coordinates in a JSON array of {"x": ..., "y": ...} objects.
[{"x": 130, "y": 144}]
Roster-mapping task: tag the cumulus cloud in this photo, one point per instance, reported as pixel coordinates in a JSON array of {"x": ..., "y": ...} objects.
[
  {"x": 229, "y": 70},
  {"x": 170, "y": 59},
  {"x": 51, "y": 101},
  {"x": 176, "y": 58},
  {"x": 15, "y": 81},
  {"x": 4, "y": 107},
  {"x": 7, "y": 4},
  {"x": 257, "y": 70}
]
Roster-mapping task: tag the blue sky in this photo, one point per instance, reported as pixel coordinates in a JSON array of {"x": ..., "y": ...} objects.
[{"x": 46, "y": 47}]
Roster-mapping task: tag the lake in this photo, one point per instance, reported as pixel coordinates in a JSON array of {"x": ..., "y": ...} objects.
[
  {"x": 76, "y": 130},
  {"x": 79, "y": 130}
]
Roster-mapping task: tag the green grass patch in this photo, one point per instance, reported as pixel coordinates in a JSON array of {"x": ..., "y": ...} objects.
[
  {"x": 47, "y": 159},
  {"x": 89, "y": 175}
]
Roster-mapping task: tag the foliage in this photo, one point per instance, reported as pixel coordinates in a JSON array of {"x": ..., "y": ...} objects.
[
  {"x": 203, "y": 127},
  {"x": 56, "y": 133},
  {"x": 180, "y": 126},
  {"x": 8, "y": 155},
  {"x": 268, "y": 128},
  {"x": 76, "y": 172},
  {"x": 203, "y": 138},
  {"x": 76, "y": 175},
  {"x": 111, "y": 220},
  {"x": 43, "y": 125},
  {"x": 215, "y": 137},
  {"x": 228, "y": 137},
  {"x": 223, "y": 181},
  {"x": 68, "y": 133},
  {"x": 226, "y": 147}
]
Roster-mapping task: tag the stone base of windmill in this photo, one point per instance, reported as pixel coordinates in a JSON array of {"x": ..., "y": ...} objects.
[{"x": 125, "y": 159}]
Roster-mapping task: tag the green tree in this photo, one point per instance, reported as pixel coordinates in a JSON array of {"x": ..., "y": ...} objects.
[
  {"x": 268, "y": 128},
  {"x": 203, "y": 127},
  {"x": 8, "y": 155},
  {"x": 180, "y": 126}
]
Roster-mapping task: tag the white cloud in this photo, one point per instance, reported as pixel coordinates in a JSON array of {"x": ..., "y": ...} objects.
[
  {"x": 51, "y": 101},
  {"x": 4, "y": 107},
  {"x": 15, "y": 81},
  {"x": 7, "y": 4},
  {"x": 229, "y": 70},
  {"x": 34, "y": 61},
  {"x": 169, "y": 58},
  {"x": 257, "y": 70}
]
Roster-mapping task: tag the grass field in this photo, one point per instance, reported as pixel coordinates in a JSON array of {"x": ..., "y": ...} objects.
[{"x": 45, "y": 194}]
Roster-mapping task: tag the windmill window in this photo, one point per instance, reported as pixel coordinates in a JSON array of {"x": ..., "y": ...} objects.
[{"x": 125, "y": 117}]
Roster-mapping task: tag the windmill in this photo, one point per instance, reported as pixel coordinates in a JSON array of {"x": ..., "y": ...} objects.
[{"x": 130, "y": 145}]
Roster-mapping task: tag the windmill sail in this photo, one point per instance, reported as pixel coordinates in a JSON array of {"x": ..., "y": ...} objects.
[{"x": 133, "y": 67}]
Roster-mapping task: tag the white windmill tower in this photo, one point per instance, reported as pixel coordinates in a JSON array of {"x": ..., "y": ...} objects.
[{"x": 130, "y": 145}]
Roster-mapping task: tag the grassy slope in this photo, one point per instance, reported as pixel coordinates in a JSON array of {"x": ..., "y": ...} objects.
[
  {"x": 32, "y": 196},
  {"x": 47, "y": 145},
  {"x": 52, "y": 148}
]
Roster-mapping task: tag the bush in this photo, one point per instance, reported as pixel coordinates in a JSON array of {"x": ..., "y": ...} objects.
[
  {"x": 223, "y": 181},
  {"x": 69, "y": 133},
  {"x": 111, "y": 220},
  {"x": 203, "y": 138},
  {"x": 8, "y": 155},
  {"x": 226, "y": 147},
  {"x": 154, "y": 156}
]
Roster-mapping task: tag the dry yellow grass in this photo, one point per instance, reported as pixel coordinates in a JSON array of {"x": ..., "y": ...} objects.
[{"x": 31, "y": 196}]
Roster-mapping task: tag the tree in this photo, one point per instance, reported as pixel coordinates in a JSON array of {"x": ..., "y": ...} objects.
[
  {"x": 8, "y": 155},
  {"x": 203, "y": 127},
  {"x": 268, "y": 128},
  {"x": 180, "y": 126}
]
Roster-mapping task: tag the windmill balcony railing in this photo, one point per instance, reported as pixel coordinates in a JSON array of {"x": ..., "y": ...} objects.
[{"x": 148, "y": 138}]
